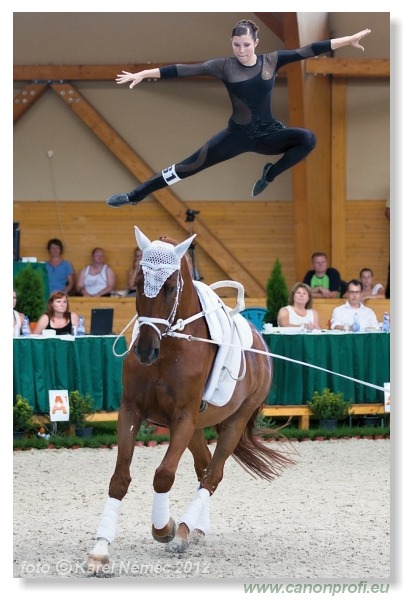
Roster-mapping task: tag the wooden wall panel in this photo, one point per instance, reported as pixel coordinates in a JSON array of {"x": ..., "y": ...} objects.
[
  {"x": 255, "y": 232},
  {"x": 367, "y": 239}
]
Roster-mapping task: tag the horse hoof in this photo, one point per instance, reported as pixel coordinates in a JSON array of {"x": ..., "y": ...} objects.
[
  {"x": 166, "y": 534},
  {"x": 178, "y": 546},
  {"x": 197, "y": 536},
  {"x": 98, "y": 566}
]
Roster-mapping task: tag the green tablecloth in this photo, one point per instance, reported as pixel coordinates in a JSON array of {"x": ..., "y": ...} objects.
[
  {"x": 89, "y": 365},
  {"x": 364, "y": 356},
  {"x": 85, "y": 364}
]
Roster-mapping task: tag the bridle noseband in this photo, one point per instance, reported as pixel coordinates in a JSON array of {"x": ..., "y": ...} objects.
[{"x": 154, "y": 321}]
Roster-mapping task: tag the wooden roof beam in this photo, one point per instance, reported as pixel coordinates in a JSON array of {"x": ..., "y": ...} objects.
[
  {"x": 374, "y": 68},
  {"x": 338, "y": 67},
  {"x": 274, "y": 22},
  {"x": 62, "y": 73},
  {"x": 27, "y": 98}
]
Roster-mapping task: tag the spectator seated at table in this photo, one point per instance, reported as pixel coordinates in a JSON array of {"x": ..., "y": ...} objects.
[
  {"x": 17, "y": 317},
  {"x": 343, "y": 316},
  {"x": 58, "y": 316},
  {"x": 369, "y": 289},
  {"x": 96, "y": 279},
  {"x": 299, "y": 310},
  {"x": 60, "y": 271},
  {"x": 324, "y": 281}
]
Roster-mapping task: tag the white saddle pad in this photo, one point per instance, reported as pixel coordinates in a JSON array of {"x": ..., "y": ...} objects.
[{"x": 224, "y": 329}]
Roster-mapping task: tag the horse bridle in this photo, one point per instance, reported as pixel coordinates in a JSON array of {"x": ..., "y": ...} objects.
[{"x": 154, "y": 321}]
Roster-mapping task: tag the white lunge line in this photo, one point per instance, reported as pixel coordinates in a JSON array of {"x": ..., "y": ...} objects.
[{"x": 191, "y": 338}]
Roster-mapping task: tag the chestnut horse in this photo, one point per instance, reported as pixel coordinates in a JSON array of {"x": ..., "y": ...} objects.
[{"x": 164, "y": 378}]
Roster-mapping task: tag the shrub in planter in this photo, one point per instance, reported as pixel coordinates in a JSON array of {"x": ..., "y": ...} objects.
[
  {"x": 328, "y": 406},
  {"x": 80, "y": 407},
  {"x": 22, "y": 415},
  {"x": 276, "y": 292},
  {"x": 30, "y": 289}
]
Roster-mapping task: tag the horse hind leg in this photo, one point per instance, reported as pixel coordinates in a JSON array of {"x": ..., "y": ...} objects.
[{"x": 195, "y": 517}]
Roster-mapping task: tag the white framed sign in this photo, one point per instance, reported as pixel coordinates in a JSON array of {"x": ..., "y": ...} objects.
[
  {"x": 387, "y": 396},
  {"x": 59, "y": 408}
]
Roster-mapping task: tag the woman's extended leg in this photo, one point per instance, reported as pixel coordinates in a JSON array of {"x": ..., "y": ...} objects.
[
  {"x": 294, "y": 143},
  {"x": 221, "y": 147}
]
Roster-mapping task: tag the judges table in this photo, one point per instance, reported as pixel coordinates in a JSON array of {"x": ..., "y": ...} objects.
[
  {"x": 363, "y": 356},
  {"x": 86, "y": 364}
]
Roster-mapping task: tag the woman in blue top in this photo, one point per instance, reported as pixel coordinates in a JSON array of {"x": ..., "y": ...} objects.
[
  {"x": 60, "y": 271},
  {"x": 249, "y": 79}
]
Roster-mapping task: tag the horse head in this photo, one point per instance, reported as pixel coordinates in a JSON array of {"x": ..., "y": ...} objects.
[{"x": 159, "y": 286}]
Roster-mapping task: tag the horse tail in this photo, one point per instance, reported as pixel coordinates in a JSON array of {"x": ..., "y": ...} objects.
[{"x": 258, "y": 459}]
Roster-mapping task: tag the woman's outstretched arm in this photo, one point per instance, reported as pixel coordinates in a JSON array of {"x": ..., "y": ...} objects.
[
  {"x": 135, "y": 78},
  {"x": 350, "y": 40}
]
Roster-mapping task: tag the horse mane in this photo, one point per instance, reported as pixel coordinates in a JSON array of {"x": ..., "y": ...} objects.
[{"x": 168, "y": 240}]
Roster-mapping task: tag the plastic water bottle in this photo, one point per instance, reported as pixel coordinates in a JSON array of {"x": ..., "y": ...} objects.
[
  {"x": 25, "y": 330},
  {"x": 356, "y": 323},
  {"x": 80, "y": 326},
  {"x": 386, "y": 323}
]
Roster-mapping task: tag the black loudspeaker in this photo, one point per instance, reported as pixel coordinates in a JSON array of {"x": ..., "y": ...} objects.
[
  {"x": 101, "y": 321},
  {"x": 16, "y": 241}
]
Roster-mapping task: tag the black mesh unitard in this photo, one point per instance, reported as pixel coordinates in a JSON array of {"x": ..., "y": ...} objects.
[{"x": 251, "y": 127}]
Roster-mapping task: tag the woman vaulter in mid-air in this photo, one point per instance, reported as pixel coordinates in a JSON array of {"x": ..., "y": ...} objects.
[{"x": 249, "y": 79}]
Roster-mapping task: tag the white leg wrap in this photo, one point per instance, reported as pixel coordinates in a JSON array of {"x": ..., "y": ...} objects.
[
  {"x": 160, "y": 511},
  {"x": 101, "y": 547},
  {"x": 109, "y": 520},
  {"x": 203, "y": 522},
  {"x": 192, "y": 514},
  {"x": 170, "y": 176}
]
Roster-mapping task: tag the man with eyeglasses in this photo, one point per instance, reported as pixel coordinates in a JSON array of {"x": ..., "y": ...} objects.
[{"x": 343, "y": 316}]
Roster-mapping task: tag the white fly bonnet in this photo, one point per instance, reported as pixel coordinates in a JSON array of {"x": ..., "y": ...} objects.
[{"x": 159, "y": 261}]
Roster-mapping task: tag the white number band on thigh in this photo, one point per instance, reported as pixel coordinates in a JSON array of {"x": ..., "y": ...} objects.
[{"x": 170, "y": 176}]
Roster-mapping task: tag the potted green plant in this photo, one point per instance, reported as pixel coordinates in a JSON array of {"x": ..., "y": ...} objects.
[
  {"x": 80, "y": 408},
  {"x": 329, "y": 407},
  {"x": 22, "y": 417},
  {"x": 277, "y": 293},
  {"x": 30, "y": 290}
]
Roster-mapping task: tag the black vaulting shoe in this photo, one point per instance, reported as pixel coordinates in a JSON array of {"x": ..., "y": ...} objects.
[
  {"x": 118, "y": 200},
  {"x": 262, "y": 183}
]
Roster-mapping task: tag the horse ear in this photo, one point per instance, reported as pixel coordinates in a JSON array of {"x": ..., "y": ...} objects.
[
  {"x": 142, "y": 240},
  {"x": 181, "y": 248}
]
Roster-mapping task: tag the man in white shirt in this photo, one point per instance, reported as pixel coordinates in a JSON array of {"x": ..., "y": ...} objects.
[{"x": 343, "y": 316}]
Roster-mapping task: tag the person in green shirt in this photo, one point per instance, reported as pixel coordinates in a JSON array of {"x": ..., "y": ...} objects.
[{"x": 324, "y": 280}]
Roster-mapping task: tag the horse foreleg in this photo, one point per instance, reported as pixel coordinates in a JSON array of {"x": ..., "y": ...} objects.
[
  {"x": 163, "y": 526},
  {"x": 106, "y": 533},
  {"x": 128, "y": 426}
]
